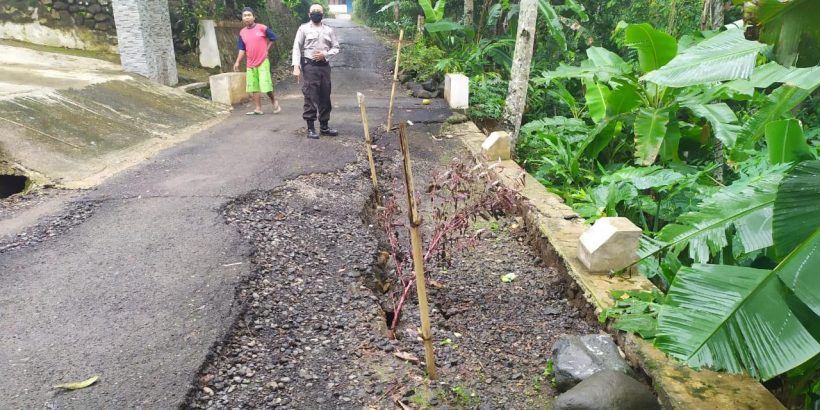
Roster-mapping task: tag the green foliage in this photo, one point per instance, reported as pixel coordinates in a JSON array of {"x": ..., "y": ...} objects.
[
  {"x": 487, "y": 96},
  {"x": 420, "y": 60},
  {"x": 634, "y": 312}
]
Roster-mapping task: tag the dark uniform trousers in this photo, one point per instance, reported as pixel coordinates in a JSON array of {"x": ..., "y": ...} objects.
[{"x": 316, "y": 88}]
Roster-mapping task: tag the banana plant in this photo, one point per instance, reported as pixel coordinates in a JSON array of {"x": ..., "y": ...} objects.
[
  {"x": 739, "y": 318},
  {"x": 665, "y": 94}
]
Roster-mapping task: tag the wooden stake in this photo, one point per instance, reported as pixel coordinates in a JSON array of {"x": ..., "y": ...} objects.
[
  {"x": 369, "y": 147},
  {"x": 395, "y": 80},
  {"x": 418, "y": 259}
]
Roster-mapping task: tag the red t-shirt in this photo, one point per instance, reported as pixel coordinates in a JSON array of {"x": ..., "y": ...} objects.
[{"x": 253, "y": 40}]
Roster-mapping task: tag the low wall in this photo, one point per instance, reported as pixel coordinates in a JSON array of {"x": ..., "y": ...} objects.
[{"x": 87, "y": 24}]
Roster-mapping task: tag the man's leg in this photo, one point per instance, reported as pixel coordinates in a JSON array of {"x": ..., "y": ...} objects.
[
  {"x": 266, "y": 84},
  {"x": 252, "y": 87},
  {"x": 311, "y": 82},
  {"x": 324, "y": 103},
  {"x": 257, "y": 100}
]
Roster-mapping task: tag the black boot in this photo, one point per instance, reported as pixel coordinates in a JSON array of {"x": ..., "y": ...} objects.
[
  {"x": 326, "y": 130},
  {"x": 311, "y": 133}
]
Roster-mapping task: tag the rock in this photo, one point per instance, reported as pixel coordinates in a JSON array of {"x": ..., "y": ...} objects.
[
  {"x": 608, "y": 390},
  {"x": 100, "y": 17},
  {"x": 576, "y": 358},
  {"x": 418, "y": 91},
  {"x": 430, "y": 85},
  {"x": 611, "y": 244},
  {"x": 60, "y": 5}
]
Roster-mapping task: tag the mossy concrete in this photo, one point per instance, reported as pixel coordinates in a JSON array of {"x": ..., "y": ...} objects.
[
  {"x": 75, "y": 121},
  {"x": 558, "y": 229}
]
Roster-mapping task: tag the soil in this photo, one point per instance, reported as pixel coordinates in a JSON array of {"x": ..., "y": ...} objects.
[{"x": 314, "y": 333}]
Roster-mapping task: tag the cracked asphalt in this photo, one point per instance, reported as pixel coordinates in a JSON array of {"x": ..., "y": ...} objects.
[{"x": 140, "y": 290}]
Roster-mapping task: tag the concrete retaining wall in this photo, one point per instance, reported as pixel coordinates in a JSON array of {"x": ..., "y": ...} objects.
[{"x": 87, "y": 24}]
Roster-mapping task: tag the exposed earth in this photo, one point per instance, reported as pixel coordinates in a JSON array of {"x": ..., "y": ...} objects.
[{"x": 237, "y": 270}]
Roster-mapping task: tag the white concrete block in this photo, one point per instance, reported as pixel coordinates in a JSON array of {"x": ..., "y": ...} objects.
[
  {"x": 208, "y": 48},
  {"x": 228, "y": 88},
  {"x": 611, "y": 244},
  {"x": 457, "y": 90},
  {"x": 498, "y": 146}
]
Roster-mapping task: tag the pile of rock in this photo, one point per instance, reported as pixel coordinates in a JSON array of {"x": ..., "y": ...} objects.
[
  {"x": 592, "y": 375},
  {"x": 431, "y": 88}
]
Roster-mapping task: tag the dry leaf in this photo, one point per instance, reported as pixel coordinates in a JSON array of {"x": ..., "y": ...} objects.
[
  {"x": 407, "y": 356},
  {"x": 77, "y": 385}
]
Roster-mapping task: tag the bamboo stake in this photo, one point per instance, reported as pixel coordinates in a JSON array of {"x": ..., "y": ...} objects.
[
  {"x": 395, "y": 80},
  {"x": 368, "y": 142},
  {"x": 418, "y": 262}
]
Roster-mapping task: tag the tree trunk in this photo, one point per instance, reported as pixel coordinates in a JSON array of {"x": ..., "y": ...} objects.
[
  {"x": 468, "y": 12},
  {"x": 520, "y": 75},
  {"x": 712, "y": 19},
  {"x": 712, "y": 16}
]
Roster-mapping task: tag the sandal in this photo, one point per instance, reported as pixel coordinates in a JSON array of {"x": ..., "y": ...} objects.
[
  {"x": 254, "y": 113},
  {"x": 276, "y": 108}
]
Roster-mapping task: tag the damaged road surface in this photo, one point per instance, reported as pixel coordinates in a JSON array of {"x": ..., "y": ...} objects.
[
  {"x": 246, "y": 268},
  {"x": 142, "y": 287}
]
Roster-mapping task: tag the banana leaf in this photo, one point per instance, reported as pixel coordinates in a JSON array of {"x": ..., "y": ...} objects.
[
  {"x": 722, "y": 119},
  {"x": 596, "y": 97},
  {"x": 736, "y": 319},
  {"x": 726, "y": 56},
  {"x": 747, "y": 207},
  {"x": 655, "y": 48},
  {"x": 786, "y": 143},
  {"x": 554, "y": 27},
  {"x": 802, "y": 279},
  {"x": 650, "y": 129},
  {"x": 778, "y": 103},
  {"x": 797, "y": 207}
]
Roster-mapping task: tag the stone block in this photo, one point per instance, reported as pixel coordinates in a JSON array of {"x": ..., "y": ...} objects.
[
  {"x": 208, "y": 47},
  {"x": 228, "y": 88},
  {"x": 611, "y": 244},
  {"x": 608, "y": 390},
  {"x": 498, "y": 146},
  {"x": 576, "y": 358},
  {"x": 457, "y": 90}
]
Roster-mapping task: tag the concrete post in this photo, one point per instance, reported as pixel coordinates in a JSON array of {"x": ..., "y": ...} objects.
[{"x": 145, "y": 42}]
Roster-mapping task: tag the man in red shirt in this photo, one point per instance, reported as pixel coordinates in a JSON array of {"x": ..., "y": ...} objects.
[{"x": 254, "y": 42}]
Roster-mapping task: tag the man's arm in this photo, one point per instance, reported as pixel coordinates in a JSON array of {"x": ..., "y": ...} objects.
[
  {"x": 240, "y": 45},
  {"x": 334, "y": 45},
  {"x": 298, "y": 40},
  {"x": 270, "y": 37}
]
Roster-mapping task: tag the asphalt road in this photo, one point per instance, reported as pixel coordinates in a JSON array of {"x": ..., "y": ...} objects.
[{"x": 140, "y": 291}]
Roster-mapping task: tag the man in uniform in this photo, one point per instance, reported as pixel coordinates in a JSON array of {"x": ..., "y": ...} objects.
[
  {"x": 254, "y": 42},
  {"x": 314, "y": 44}
]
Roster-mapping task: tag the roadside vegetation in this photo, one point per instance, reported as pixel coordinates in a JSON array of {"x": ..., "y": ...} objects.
[{"x": 699, "y": 124}]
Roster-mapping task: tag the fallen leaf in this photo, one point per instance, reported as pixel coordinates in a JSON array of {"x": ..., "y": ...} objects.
[
  {"x": 436, "y": 284},
  {"x": 407, "y": 356},
  {"x": 508, "y": 277},
  {"x": 624, "y": 296},
  {"x": 77, "y": 385}
]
